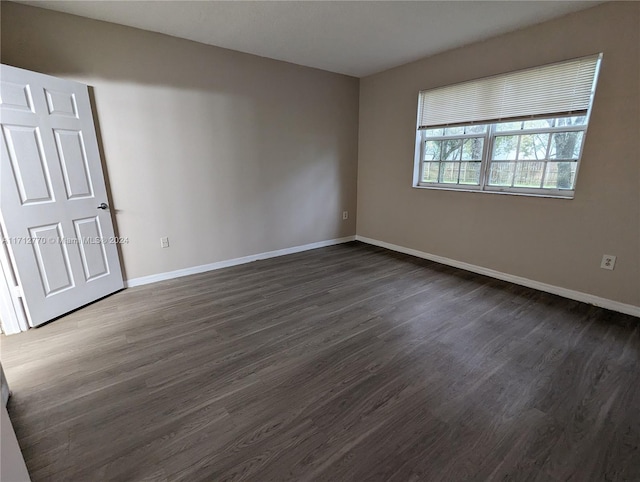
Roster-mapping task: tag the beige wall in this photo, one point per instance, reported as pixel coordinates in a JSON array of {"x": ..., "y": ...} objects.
[
  {"x": 553, "y": 241},
  {"x": 227, "y": 154}
]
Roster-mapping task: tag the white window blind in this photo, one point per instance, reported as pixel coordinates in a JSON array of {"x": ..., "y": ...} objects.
[{"x": 550, "y": 90}]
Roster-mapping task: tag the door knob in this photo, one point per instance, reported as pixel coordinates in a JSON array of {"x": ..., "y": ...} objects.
[{"x": 103, "y": 206}]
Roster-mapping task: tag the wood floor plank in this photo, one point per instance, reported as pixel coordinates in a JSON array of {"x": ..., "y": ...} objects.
[{"x": 343, "y": 363}]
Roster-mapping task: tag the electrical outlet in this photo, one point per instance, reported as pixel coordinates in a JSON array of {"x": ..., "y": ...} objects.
[
  {"x": 608, "y": 261},
  {"x": 164, "y": 242},
  {"x": 345, "y": 215}
]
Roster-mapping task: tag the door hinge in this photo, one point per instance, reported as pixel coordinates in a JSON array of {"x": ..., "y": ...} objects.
[{"x": 17, "y": 291}]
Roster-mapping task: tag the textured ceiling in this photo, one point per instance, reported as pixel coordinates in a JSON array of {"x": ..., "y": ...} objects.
[{"x": 356, "y": 38}]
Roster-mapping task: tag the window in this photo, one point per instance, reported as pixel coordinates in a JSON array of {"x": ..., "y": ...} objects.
[{"x": 521, "y": 132}]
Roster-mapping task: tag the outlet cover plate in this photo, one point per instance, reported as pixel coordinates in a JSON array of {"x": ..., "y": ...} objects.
[{"x": 608, "y": 262}]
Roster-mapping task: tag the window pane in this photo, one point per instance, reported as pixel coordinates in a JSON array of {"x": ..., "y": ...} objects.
[
  {"x": 560, "y": 175},
  {"x": 449, "y": 172},
  {"x": 475, "y": 129},
  {"x": 470, "y": 173},
  {"x": 533, "y": 146},
  {"x": 451, "y": 149},
  {"x": 432, "y": 151},
  {"x": 501, "y": 173},
  {"x": 538, "y": 124},
  {"x": 434, "y": 132},
  {"x": 528, "y": 174},
  {"x": 509, "y": 126},
  {"x": 454, "y": 131},
  {"x": 565, "y": 145},
  {"x": 571, "y": 121},
  {"x": 536, "y": 160},
  {"x": 472, "y": 149},
  {"x": 504, "y": 147},
  {"x": 430, "y": 171}
]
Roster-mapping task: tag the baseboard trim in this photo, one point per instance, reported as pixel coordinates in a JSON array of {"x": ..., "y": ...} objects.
[
  {"x": 154, "y": 278},
  {"x": 556, "y": 290}
]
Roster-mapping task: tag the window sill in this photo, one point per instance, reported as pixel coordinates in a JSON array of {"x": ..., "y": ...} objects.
[{"x": 552, "y": 195}]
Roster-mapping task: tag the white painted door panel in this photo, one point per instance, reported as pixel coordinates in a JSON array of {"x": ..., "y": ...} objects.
[{"x": 51, "y": 184}]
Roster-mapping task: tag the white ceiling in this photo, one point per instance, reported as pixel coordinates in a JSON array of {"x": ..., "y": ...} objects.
[{"x": 356, "y": 38}]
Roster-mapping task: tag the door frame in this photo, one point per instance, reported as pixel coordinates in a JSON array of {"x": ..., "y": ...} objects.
[{"x": 12, "y": 316}]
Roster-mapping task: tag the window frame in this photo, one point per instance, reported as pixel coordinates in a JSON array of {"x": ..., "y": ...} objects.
[{"x": 489, "y": 137}]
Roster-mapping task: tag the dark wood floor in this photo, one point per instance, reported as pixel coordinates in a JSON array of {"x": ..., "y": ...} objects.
[{"x": 342, "y": 363}]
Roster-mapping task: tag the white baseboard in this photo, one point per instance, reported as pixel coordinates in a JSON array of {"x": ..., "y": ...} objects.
[
  {"x": 144, "y": 280},
  {"x": 556, "y": 290}
]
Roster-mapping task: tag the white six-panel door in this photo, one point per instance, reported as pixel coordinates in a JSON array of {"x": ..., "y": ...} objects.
[{"x": 61, "y": 243}]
